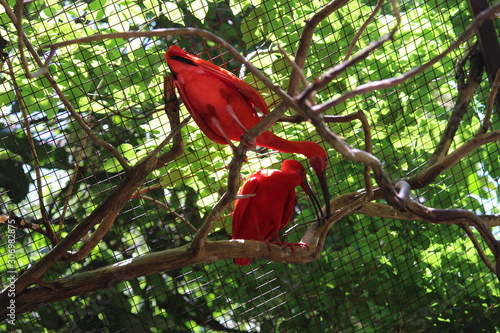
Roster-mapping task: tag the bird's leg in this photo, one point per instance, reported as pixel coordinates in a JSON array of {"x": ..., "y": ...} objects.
[
  {"x": 217, "y": 125},
  {"x": 230, "y": 111},
  {"x": 232, "y": 114}
]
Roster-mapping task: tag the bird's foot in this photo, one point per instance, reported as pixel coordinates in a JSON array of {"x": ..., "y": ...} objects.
[{"x": 293, "y": 245}]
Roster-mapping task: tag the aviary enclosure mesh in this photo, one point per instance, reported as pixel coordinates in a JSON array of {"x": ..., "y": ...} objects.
[{"x": 374, "y": 274}]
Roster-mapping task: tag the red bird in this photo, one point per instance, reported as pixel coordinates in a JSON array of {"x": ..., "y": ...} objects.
[
  {"x": 225, "y": 107},
  {"x": 262, "y": 216}
]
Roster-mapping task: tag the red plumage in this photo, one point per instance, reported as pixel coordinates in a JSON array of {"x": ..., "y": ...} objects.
[
  {"x": 262, "y": 216},
  {"x": 225, "y": 107}
]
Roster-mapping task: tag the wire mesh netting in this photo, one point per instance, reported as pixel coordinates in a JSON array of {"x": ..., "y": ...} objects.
[{"x": 72, "y": 136}]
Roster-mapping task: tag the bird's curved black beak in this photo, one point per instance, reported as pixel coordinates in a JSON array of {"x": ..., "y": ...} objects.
[{"x": 317, "y": 206}]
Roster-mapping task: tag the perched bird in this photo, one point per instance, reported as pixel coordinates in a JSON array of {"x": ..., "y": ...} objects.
[
  {"x": 225, "y": 107},
  {"x": 263, "y": 215}
]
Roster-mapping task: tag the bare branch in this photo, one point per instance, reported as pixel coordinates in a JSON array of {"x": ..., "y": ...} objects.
[
  {"x": 39, "y": 186},
  {"x": 489, "y": 106},
  {"x": 360, "y": 115},
  {"x": 147, "y": 264},
  {"x": 363, "y": 28},
  {"x": 227, "y": 198},
  {"x": 479, "y": 248},
  {"x": 106, "y": 223},
  {"x": 386, "y": 83},
  {"x": 71, "y": 186},
  {"x": 105, "y": 213},
  {"x": 466, "y": 90},
  {"x": 171, "y": 211},
  {"x": 334, "y": 72},
  {"x": 385, "y": 211},
  {"x": 295, "y": 69},
  {"x": 456, "y": 216},
  {"x": 24, "y": 41},
  {"x": 305, "y": 41},
  {"x": 429, "y": 174}
]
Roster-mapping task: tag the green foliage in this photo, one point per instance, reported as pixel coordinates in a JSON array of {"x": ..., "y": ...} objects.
[{"x": 374, "y": 275}]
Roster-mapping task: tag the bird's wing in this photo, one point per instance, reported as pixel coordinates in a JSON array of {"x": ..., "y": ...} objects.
[
  {"x": 287, "y": 209},
  {"x": 241, "y": 206},
  {"x": 246, "y": 90}
]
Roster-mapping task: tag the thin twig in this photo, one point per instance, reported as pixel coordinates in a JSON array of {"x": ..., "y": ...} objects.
[
  {"x": 306, "y": 39},
  {"x": 360, "y": 115},
  {"x": 490, "y": 13},
  {"x": 36, "y": 164},
  {"x": 466, "y": 90},
  {"x": 43, "y": 66},
  {"x": 227, "y": 198},
  {"x": 429, "y": 174},
  {"x": 295, "y": 67},
  {"x": 385, "y": 211},
  {"x": 455, "y": 216},
  {"x": 368, "y": 149},
  {"x": 363, "y": 28},
  {"x": 334, "y": 72},
  {"x": 173, "y": 212},
  {"x": 107, "y": 222},
  {"x": 489, "y": 106},
  {"x": 478, "y": 246},
  {"x": 71, "y": 185}
]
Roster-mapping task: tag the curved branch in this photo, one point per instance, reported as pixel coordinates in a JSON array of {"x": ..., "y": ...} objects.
[
  {"x": 489, "y": 106},
  {"x": 43, "y": 71},
  {"x": 334, "y": 72},
  {"x": 363, "y": 28},
  {"x": 466, "y": 90},
  {"x": 488, "y": 14},
  {"x": 429, "y": 174},
  {"x": 455, "y": 216},
  {"x": 147, "y": 264},
  {"x": 49, "y": 231},
  {"x": 360, "y": 115},
  {"x": 104, "y": 214},
  {"x": 305, "y": 41},
  {"x": 385, "y": 211}
]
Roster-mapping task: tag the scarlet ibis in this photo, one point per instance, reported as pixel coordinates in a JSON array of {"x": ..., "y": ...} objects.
[
  {"x": 225, "y": 107},
  {"x": 262, "y": 216}
]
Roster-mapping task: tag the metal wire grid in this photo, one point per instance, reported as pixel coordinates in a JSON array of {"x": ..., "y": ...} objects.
[{"x": 286, "y": 292}]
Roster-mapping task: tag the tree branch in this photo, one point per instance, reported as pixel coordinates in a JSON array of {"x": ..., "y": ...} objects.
[
  {"x": 363, "y": 28},
  {"x": 489, "y": 106},
  {"x": 429, "y": 174},
  {"x": 334, "y": 72},
  {"x": 104, "y": 215},
  {"x": 43, "y": 71},
  {"x": 49, "y": 231},
  {"x": 456, "y": 216},
  {"x": 466, "y": 90},
  {"x": 488, "y": 14},
  {"x": 147, "y": 264},
  {"x": 385, "y": 211},
  {"x": 305, "y": 41}
]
